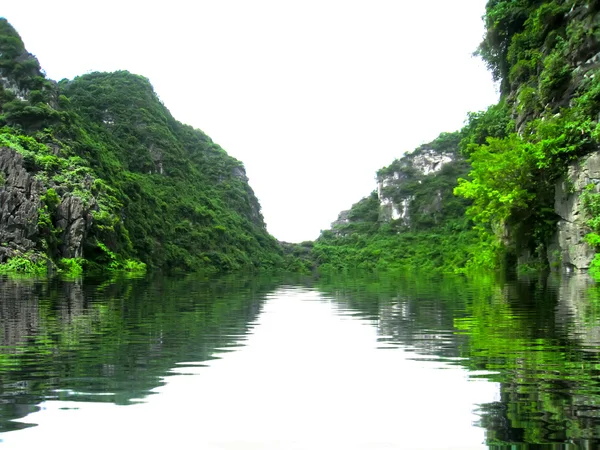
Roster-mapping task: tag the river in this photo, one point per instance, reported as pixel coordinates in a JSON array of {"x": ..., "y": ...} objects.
[{"x": 300, "y": 362}]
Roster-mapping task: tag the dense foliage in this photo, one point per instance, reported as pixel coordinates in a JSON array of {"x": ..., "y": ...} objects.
[
  {"x": 186, "y": 202},
  {"x": 436, "y": 237},
  {"x": 163, "y": 193},
  {"x": 158, "y": 191},
  {"x": 545, "y": 56}
]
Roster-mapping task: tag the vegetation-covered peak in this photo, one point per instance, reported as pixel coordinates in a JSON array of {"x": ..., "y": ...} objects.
[
  {"x": 27, "y": 98},
  {"x": 15, "y": 61},
  {"x": 118, "y": 178},
  {"x": 445, "y": 146},
  {"x": 19, "y": 69},
  {"x": 11, "y": 43},
  {"x": 102, "y": 95}
]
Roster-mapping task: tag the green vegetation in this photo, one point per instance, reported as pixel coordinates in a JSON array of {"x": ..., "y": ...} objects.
[
  {"x": 539, "y": 51},
  {"x": 149, "y": 190},
  {"x": 435, "y": 235},
  {"x": 72, "y": 267},
  {"x": 544, "y": 56},
  {"x": 591, "y": 203},
  {"x": 26, "y": 264},
  {"x": 298, "y": 257},
  {"x": 155, "y": 192}
]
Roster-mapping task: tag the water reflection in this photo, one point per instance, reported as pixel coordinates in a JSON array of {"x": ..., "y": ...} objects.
[
  {"x": 304, "y": 378},
  {"x": 111, "y": 341},
  {"x": 315, "y": 362},
  {"x": 537, "y": 337},
  {"x": 578, "y": 310}
]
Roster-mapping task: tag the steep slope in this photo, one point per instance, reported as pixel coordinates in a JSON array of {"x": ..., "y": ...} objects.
[
  {"x": 97, "y": 170},
  {"x": 534, "y": 191},
  {"x": 412, "y": 221},
  {"x": 534, "y": 177}
]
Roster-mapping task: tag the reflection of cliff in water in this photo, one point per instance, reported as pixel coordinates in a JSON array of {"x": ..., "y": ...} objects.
[
  {"x": 537, "y": 338},
  {"x": 73, "y": 340},
  {"x": 20, "y": 307},
  {"x": 406, "y": 313},
  {"x": 19, "y": 312},
  {"x": 578, "y": 311},
  {"x": 548, "y": 366}
]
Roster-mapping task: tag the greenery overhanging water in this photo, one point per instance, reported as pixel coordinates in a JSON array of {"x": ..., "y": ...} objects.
[{"x": 115, "y": 341}]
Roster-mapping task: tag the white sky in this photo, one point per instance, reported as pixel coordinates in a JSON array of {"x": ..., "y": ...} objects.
[{"x": 313, "y": 96}]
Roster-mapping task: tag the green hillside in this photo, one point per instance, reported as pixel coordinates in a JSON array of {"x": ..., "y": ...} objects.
[
  {"x": 112, "y": 180},
  {"x": 530, "y": 172}
]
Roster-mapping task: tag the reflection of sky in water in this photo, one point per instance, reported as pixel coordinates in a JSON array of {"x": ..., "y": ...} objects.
[{"x": 305, "y": 378}]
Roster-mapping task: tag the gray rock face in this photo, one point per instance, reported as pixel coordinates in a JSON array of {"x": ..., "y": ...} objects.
[
  {"x": 13, "y": 87},
  {"x": 74, "y": 218},
  {"x": 568, "y": 250},
  {"x": 409, "y": 168},
  {"x": 19, "y": 205},
  {"x": 239, "y": 172},
  {"x": 431, "y": 161},
  {"x": 342, "y": 219}
]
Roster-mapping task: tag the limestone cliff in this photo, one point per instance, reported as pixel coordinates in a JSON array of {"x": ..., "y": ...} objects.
[
  {"x": 398, "y": 184},
  {"x": 568, "y": 248},
  {"x": 529, "y": 185},
  {"x": 19, "y": 204},
  {"x": 414, "y": 193},
  {"x": 97, "y": 170},
  {"x": 415, "y": 190},
  {"x": 529, "y": 180},
  {"x": 22, "y": 199}
]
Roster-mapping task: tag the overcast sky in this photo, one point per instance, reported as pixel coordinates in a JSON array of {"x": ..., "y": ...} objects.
[{"x": 313, "y": 96}]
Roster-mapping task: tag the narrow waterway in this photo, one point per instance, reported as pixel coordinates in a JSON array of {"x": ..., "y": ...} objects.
[{"x": 299, "y": 363}]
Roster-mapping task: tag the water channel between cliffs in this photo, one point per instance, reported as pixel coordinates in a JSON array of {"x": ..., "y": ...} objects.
[{"x": 296, "y": 363}]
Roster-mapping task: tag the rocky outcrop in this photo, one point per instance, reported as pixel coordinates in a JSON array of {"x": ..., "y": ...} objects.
[
  {"x": 11, "y": 86},
  {"x": 428, "y": 161},
  {"x": 568, "y": 249},
  {"x": 21, "y": 196},
  {"x": 342, "y": 220},
  {"x": 19, "y": 204},
  {"x": 397, "y": 184},
  {"x": 73, "y": 217}
]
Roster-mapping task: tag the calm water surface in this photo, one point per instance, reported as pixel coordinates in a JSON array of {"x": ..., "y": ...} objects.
[{"x": 265, "y": 362}]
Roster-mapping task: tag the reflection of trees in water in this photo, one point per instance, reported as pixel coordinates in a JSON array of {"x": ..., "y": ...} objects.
[
  {"x": 539, "y": 345},
  {"x": 69, "y": 340},
  {"x": 537, "y": 337},
  {"x": 408, "y": 312}
]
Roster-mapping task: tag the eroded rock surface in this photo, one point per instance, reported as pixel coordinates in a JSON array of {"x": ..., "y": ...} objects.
[
  {"x": 19, "y": 204},
  {"x": 568, "y": 248},
  {"x": 395, "y": 195},
  {"x": 75, "y": 220}
]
